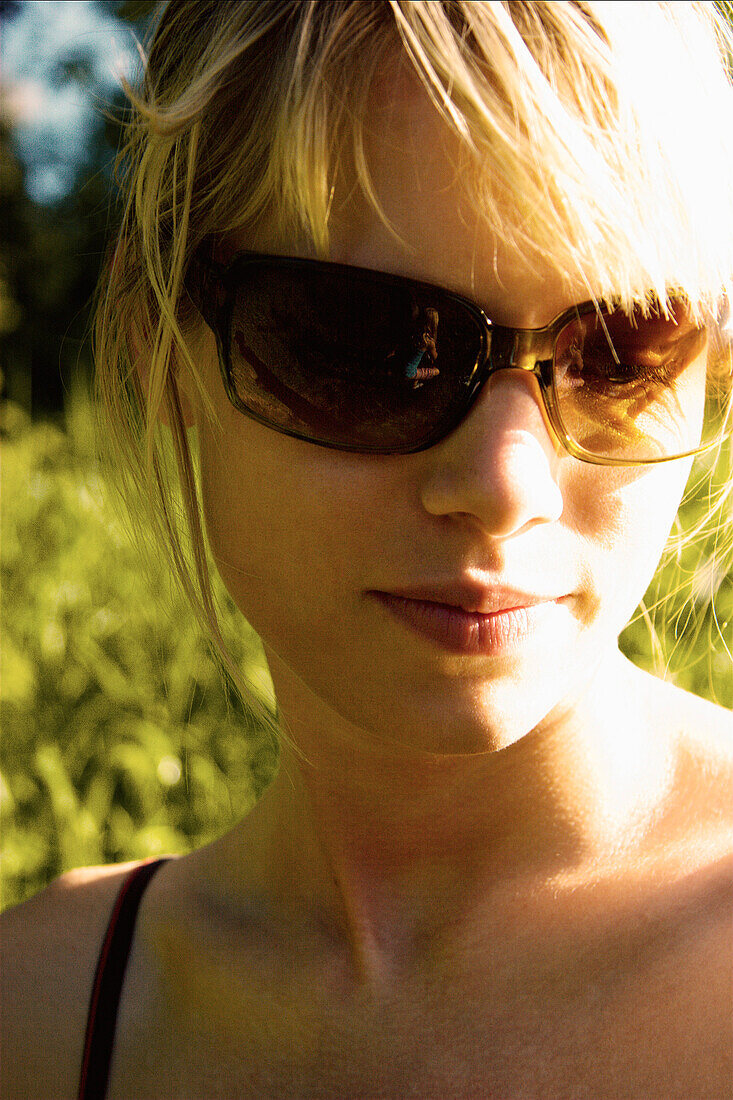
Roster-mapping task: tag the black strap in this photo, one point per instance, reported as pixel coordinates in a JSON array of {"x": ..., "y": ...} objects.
[{"x": 110, "y": 974}]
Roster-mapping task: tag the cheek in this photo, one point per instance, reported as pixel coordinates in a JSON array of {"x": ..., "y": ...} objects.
[
  {"x": 252, "y": 521},
  {"x": 624, "y": 517},
  {"x": 285, "y": 523}
]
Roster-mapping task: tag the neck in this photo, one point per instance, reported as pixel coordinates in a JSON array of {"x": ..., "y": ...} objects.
[{"x": 391, "y": 844}]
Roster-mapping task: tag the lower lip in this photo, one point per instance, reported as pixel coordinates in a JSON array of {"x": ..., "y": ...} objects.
[{"x": 467, "y": 632}]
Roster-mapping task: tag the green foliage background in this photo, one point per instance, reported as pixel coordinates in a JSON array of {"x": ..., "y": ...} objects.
[{"x": 119, "y": 738}]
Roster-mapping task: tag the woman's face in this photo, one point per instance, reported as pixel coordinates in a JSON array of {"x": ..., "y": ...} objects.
[{"x": 493, "y": 516}]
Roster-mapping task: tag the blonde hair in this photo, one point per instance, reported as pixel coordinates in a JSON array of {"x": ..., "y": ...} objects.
[{"x": 609, "y": 126}]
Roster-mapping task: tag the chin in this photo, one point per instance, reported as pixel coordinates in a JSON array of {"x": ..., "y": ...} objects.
[{"x": 479, "y": 721}]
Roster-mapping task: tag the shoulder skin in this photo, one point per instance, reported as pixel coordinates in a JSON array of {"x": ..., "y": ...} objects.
[{"x": 50, "y": 945}]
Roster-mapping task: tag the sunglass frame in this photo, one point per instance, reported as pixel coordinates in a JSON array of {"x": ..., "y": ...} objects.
[{"x": 212, "y": 287}]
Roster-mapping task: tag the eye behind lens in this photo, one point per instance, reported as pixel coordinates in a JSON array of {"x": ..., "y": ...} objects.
[{"x": 633, "y": 387}]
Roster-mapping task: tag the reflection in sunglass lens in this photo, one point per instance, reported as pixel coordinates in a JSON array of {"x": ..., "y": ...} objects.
[
  {"x": 635, "y": 387},
  {"x": 369, "y": 362},
  {"x": 349, "y": 358}
]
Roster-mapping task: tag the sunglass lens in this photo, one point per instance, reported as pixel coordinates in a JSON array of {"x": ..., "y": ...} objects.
[
  {"x": 350, "y": 358},
  {"x": 638, "y": 388}
]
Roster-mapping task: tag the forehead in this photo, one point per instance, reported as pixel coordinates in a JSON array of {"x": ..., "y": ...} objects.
[
  {"x": 566, "y": 168},
  {"x": 432, "y": 230},
  {"x": 419, "y": 168}
]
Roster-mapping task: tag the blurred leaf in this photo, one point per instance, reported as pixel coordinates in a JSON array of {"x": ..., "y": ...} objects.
[{"x": 119, "y": 738}]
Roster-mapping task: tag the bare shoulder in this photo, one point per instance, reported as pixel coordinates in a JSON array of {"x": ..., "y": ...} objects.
[
  {"x": 693, "y": 992},
  {"x": 50, "y": 946},
  {"x": 696, "y": 980},
  {"x": 675, "y": 908}
]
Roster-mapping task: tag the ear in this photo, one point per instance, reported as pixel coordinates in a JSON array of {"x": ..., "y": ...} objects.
[{"x": 141, "y": 351}]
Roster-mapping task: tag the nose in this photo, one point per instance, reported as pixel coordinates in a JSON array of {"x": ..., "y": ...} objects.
[{"x": 500, "y": 466}]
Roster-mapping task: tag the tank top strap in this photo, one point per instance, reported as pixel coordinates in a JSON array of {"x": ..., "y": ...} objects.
[{"x": 108, "y": 980}]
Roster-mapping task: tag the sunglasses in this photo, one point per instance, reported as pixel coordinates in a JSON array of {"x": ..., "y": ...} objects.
[{"x": 359, "y": 360}]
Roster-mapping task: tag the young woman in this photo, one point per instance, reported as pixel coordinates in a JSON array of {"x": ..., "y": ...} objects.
[{"x": 496, "y": 860}]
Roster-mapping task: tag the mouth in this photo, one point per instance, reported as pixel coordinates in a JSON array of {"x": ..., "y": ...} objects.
[{"x": 490, "y": 623}]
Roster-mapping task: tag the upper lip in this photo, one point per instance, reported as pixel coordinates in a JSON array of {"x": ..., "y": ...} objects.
[{"x": 482, "y": 599}]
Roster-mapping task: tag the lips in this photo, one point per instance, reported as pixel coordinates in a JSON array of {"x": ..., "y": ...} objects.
[
  {"x": 468, "y": 619},
  {"x": 465, "y": 596}
]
